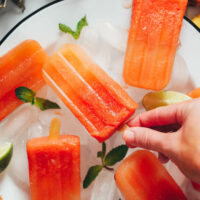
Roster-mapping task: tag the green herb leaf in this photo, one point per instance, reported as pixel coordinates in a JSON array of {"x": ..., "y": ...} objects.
[
  {"x": 44, "y": 104},
  {"x": 66, "y": 29},
  {"x": 91, "y": 175},
  {"x": 99, "y": 154},
  {"x": 115, "y": 155},
  {"x": 83, "y": 22},
  {"x": 76, "y": 34},
  {"x": 25, "y": 94},
  {"x": 103, "y": 149}
]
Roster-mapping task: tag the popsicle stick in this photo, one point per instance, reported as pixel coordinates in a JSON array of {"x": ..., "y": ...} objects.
[{"x": 54, "y": 131}]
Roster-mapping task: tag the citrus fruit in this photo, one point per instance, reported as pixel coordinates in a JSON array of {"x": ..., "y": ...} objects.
[
  {"x": 6, "y": 150},
  {"x": 163, "y": 98}
]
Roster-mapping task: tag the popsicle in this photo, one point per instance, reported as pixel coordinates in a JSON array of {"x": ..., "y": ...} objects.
[
  {"x": 21, "y": 66},
  {"x": 194, "y": 93},
  {"x": 152, "y": 43},
  {"x": 93, "y": 97},
  {"x": 54, "y": 166},
  {"x": 141, "y": 176}
]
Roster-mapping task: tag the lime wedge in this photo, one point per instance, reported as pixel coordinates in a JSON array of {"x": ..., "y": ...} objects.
[
  {"x": 196, "y": 20},
  {"x": 163, "y": 98},
  {"x": 6, "y": 151}
]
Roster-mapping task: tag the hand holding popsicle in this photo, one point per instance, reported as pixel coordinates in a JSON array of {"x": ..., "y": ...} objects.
[{"x": 181, "y": 146}]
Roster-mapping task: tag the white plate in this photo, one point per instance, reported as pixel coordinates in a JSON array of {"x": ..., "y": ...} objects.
[{"x": 43, "y": 27}]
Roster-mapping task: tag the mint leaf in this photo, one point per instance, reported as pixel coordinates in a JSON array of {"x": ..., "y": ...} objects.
[
  {"x": 83, "y": 22},
  {"x": 115, "y": 155},
  {"x": 103, "y": 149},
  {"x": 99, "y": 154},
  {"x": 44, "y": 104},
  {"x": 76, "y": 34},
  {"x": 28, "y": 96},
  {"x": 25, "y": 94},
  {"x": 66, "y": 29},
  {"x": 91, "y": 175}
]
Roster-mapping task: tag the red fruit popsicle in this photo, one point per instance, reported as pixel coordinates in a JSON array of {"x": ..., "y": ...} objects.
[
  {"x": 22, "y": 66},
  {"x": 141, "y": 176},
  {"x": 152, "y": 43},
  {"x": 94, "y": 98},
  {"x": 54, "y": 166}
]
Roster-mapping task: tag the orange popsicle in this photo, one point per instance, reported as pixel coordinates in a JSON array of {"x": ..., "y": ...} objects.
[
  {"x": 94, "y": 98},
  {"x": 54, "y": 166},
  {"x": 194, "y": 93},
  {"x": 152, "y": 42},
  {"x": 141, "y": 176},
  {"x": 20, "y": 67}
]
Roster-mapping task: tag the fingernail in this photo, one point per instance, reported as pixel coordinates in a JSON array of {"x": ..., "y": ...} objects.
[{"x": 128, "y": 136}]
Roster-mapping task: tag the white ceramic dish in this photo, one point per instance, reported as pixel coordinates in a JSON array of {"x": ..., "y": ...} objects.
[{"x": 42, "y": 26}]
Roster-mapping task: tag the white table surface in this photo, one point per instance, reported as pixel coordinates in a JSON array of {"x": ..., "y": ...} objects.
[{"x": 11, "y": 15}]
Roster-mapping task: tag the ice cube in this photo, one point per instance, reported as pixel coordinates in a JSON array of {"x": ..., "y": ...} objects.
[
  {"x": 104, "y": 187},
  {"x": 9, "y": 189},
  {"x": 63, "y": 39},
  {"x": 120, "y": 197},
  {"x": 127, "y": 3},
  {"x": 89, "y": 39},
  {"x": 87, "y": 161},
  {"x": 17, "y": 122},
  {"x": 45, "y": 117},
  {"x": 114, "y": 35},
  {"x": 189, "y": 191},
  {"x": 37, "y": 130},
  {"x": 176, "y": 173},
  {"x": 180, "y": 78},
  {"x": 19, "y": 163}
]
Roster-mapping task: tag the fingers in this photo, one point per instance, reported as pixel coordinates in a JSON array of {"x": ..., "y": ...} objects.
[
  {"x": 172, "y": 114},
  {"x": 149, "y": 139}
]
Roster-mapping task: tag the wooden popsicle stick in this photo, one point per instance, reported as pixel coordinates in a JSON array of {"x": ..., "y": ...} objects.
[
  {"x": 54, "y": 131},
  {"x": 123, "y": 128}
]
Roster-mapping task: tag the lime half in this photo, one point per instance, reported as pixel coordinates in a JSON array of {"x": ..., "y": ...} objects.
[
  {"x": 163, "y": 98},
  {"x": 6, "y": 150}
]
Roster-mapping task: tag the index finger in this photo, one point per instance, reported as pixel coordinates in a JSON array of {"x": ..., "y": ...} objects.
[{"x": 165, "y": 115}]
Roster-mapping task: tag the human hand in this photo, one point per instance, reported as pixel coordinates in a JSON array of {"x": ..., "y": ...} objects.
[{"x": 181, "y": 145}]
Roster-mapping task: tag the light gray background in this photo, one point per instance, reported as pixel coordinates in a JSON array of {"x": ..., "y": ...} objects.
[{"x": 10, "y": 15}]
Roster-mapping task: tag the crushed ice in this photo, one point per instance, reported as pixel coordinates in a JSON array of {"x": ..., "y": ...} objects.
[{"x": 106, "y": 44}]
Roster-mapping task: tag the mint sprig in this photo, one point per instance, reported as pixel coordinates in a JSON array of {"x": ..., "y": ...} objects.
[
  {"x": 91, "y": 175},
  {"x": 25, "y": 94},
  {"x": 29, "y": 96},
  {"x": 76, "y": 34},
  {"x": 114, "y": 156},
  {"x": 45, "y": 104}
]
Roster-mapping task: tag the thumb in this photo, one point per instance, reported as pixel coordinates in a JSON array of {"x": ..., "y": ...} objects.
[{"x": 149, "y": 139}]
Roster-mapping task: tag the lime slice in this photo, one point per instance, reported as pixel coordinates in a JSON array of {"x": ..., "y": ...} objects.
[
  {"x": 6, "y": 151},
  {"x": 196, "y": 20},
  {"x": 163, "y": 98}
]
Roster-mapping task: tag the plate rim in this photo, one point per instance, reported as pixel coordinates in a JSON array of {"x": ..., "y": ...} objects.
[
  {"x": 57, "y": 1},
  {"x": 25, "y": 18}
]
